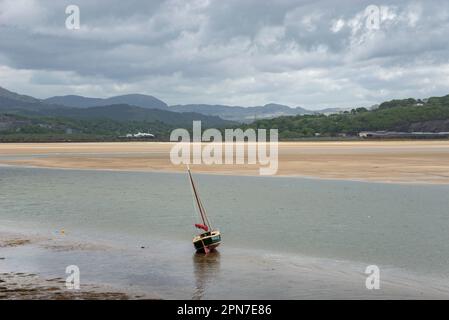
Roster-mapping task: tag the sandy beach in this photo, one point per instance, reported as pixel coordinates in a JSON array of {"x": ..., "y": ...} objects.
[{"x": 382, "y": 161}]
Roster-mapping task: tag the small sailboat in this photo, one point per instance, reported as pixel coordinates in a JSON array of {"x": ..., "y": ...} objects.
[{"x": 210, "y": 238}]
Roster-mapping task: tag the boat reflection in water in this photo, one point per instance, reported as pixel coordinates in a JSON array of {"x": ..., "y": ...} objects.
[{"x": 206, "y": 267}]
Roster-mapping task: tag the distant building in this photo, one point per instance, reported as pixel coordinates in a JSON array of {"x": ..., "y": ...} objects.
[
  {"x": 139, "y": 135},
  {"x": 365, "y": 134},
  {"x": 402, "y": 135}
]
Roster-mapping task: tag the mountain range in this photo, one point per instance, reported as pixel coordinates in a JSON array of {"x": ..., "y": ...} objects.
[
  {"x": 137, "y": 106},
  {"x": 140, "y": 100},
  {"x": 233, "y": 113},
  {"x": 121, "y": 109},
  {"x": 128, "y": 113},
  {"x": 243, "y": 114},
  {"x": 25, "y": 118}
]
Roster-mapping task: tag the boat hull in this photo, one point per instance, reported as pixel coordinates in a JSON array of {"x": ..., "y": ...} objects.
[{"x": 207, "y": 241}]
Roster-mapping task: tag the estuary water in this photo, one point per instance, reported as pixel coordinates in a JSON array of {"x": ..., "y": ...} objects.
[{"x": 283, "y": 238}]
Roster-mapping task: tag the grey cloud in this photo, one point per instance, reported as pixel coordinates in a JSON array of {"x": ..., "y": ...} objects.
[{"x": 240, "y": 52}]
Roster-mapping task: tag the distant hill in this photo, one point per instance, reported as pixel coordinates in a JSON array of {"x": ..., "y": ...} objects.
[
  {"x": 6, "y": 94},
  {"x": 124, "y": 113},
  {"x": 26, "y": 119},
  {"x": 13, "y": 103},
  {"x": 408, "y": 115},
  {"x": 140, "y": 100},
  {"x": 17, "y": 128},
  {"x": 25, "y": 114},
  {"x": 233, "y": 113},
  {"x": 242, "y": 114}
]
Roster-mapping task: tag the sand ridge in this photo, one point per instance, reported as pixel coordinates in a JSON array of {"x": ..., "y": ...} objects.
[{"x": 417, "y": 161}]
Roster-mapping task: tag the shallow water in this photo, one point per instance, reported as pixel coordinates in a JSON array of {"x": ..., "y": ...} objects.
[{"x": 282, "y": 237}]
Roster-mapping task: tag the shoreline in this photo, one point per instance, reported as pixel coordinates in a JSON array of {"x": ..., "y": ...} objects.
[
  {"x": 413, "y": 162},
  {"x": 305, "y": 177}
]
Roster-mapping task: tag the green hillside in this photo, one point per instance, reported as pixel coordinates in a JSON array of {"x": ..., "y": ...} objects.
[
  {"x": 112, "y": 122},
  {"x": 396, "y": 115},
  {"x": 24, "y": 128}
]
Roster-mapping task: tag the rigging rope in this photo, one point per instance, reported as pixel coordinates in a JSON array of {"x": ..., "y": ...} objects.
[{"x": 198, "y": 201}]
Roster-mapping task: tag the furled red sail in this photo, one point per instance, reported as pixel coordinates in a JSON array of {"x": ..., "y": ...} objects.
[{"x": 201, "y": 226}]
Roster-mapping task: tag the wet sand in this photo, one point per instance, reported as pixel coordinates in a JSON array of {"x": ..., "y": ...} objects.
[
  {"x": 382, "y": 161},
  {"x": 25, "y": 275},
  {"x": 30, "y": 286}
]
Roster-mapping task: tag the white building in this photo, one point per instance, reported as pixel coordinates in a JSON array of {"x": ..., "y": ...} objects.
[{"x": 140, "y": 135}]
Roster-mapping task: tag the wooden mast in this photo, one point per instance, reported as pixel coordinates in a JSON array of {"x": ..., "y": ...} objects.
[{"x": 198, "y": 201}]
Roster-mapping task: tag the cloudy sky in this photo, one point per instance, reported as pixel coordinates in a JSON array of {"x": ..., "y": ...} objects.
[{"x": 239, "y": 52}]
